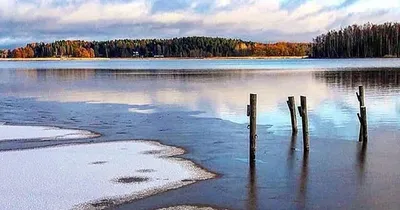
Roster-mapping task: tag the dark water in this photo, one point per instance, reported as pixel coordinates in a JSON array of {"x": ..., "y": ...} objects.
[{"x": 204, "y": 112}]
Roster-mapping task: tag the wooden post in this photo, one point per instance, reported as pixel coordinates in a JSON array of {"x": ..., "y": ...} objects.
[
  {"x": 304, "y": 117},
  {"x": 363, "y": 121},
  {"x": 292, "y": 108},
  {"x": 253, "y": 125},
  {"x": 361, "y": 99},
  {"x": 365, "y": 126}
]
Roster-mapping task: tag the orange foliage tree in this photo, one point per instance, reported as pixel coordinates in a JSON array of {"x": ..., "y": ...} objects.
[
  {"x": 82, "y": 52},
  {"x": 281, "y": 49},
  {"x": 18, "y": 53},
  {"x": 28, "y": 52}
]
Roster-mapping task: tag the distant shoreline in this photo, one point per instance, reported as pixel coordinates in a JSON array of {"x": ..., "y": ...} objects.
[{"x": 150, "y": 58}]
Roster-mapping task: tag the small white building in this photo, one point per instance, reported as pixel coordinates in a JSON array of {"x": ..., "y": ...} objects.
[{"x": 135, "y": 54}]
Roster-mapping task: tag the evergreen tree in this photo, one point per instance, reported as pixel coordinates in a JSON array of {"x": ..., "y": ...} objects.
[{"x": 359, "y": 41}]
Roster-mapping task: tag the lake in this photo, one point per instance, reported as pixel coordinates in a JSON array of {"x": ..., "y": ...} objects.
[
  {"x": 200, "y": 105},
  {"x": 192, "y": 64}
]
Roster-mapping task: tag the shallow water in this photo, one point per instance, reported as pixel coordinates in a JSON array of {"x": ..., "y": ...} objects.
[{"x": 204, "y": 112}]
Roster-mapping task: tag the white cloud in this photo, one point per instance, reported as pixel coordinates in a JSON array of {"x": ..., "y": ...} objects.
[
  {"x": 222, "y": 3},
  {"x": 254, "y": 19},
  {"x": 93, "y": 11},
  {"x": 174, "y": 17},
  {"x": 372, "y": 5}
]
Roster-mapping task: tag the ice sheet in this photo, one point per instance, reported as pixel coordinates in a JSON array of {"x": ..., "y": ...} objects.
[{"x": 11, "y": 132}]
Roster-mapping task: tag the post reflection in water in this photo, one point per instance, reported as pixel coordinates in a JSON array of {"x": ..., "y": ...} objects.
[
  {"x": 292, "y": 151},
  {"x": 361, "y": 159},
  {"x": 252, "y": 187},
  {"x": 302, "y": 191}
]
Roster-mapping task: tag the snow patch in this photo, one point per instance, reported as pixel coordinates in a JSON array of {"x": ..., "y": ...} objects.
[
  {"x": 142, "y": 111},
  {"x": 88, "y": 176},
  {"x": 13, "y": 132}
]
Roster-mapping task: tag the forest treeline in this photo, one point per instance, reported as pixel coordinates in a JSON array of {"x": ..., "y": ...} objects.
[
  {"x": 359, "y": 41},
  {"x": 195, "y": 47}
]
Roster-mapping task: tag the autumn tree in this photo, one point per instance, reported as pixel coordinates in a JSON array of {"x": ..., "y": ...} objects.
[
  {"x": 18, "y": 53},
  {"x": 28, "y": 52},
  {"x": 84, "y": 53},
  {"x": 77, "y": 53},
  {"x": 91, "y": 53}
]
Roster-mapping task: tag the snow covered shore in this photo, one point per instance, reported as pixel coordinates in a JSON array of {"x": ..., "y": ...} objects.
[
  {"x": 13, "y": 132},
  {"x": 188, "y": 208},
  {"x": 88, "y": 176}
]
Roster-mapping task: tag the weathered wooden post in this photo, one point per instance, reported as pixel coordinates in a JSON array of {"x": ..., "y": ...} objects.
[
  {"x": 252, "y": 113},
  {"x": 361, "y": 99},
  {"x": 362, "y": 116},
  {"x": 292, "y": 108},
  {"x": 304, "y": 117}
]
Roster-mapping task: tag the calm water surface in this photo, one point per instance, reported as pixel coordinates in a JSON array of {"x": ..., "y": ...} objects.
[
  {"x": 187, "y": 64},
  {"x": 204, "y": 111}
]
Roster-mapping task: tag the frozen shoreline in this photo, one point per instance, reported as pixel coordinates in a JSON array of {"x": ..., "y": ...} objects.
[
  {"x": 17, "y": 132},
  {"x": 88, "y": 176},
  {"x": 186, "y": 207}
]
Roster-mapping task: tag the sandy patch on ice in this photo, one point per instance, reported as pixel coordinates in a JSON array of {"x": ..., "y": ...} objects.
[
  {"x": 14, "y": 132},
  {"x": 92, "y": 176}
]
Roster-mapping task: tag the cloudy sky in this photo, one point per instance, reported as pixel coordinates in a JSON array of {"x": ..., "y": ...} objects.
[{"x": 23, "y": 21}]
